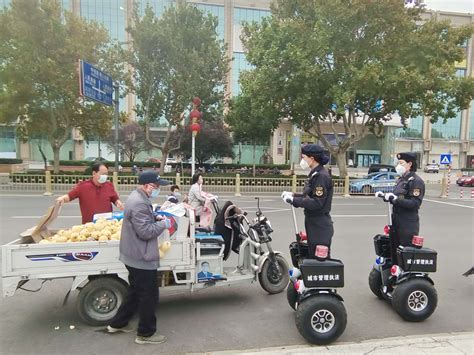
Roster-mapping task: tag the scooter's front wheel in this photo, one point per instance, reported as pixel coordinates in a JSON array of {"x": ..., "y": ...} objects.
[
  {"x": 415, "y": 299},
  {"x": 321, "y": 319},
  {"x": 274, "y": 279},
  {"x": 375, "y": 283}
]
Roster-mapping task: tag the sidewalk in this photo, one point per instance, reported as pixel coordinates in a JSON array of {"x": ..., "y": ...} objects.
[{"x": 448, "y": 343}]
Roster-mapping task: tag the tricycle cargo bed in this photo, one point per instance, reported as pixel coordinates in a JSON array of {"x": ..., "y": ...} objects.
[{"x": 51, "y": 260}]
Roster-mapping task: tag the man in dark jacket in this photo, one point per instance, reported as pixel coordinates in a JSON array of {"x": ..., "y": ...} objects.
[
  {"x": 316, "y": 198},
  {"x": 139, "y": 253}
]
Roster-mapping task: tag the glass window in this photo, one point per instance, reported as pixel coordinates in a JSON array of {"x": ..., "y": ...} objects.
[
  {"x": 7, "y": 139},
  {"x": 239, "y": 64},
  {"x": 461, "y": 73},
  {"x": 414, "y": 129},
  {"x": 158, "y": 6},
  {"x": 449, "y": 130},
  {"x": 217, "y": 11},
  {"x": 109, "y": 13}
]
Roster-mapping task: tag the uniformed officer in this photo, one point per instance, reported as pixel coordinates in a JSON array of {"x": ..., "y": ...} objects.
[
  {"x": 406, "y": 199},
  {"x": 316, "y": 198}
]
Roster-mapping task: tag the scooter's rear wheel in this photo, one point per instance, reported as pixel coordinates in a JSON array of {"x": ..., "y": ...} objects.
[
  {"x": 415, "y": 299},
  {"x": 291, "y": 295},
  {"x": 273, "y": 279},
  {"x": 321, "y": 319},
  {"x": 375, "y": 283}
]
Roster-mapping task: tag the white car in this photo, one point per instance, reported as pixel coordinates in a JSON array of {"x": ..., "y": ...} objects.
[{"x": 431, "y": 168}]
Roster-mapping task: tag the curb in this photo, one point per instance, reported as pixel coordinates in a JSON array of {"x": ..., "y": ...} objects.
[{"x": 444, "y": 343}]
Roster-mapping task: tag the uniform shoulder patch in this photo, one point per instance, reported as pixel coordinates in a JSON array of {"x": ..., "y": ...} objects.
[
  {"x": 319, "y": 191},
  {"x": 416, "y": 192}
]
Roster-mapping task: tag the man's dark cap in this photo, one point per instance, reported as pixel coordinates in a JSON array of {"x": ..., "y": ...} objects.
[
  {"x": 151, "y": 177},
  {"x": 408, "y": 157}
]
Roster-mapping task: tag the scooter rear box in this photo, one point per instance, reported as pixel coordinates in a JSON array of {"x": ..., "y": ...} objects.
[
  {"x": 417, "y": 259},
  {"x": 322, "y": 273},
  {"x": 382, "y": 245},
  {"x": 295, "y": 253}
]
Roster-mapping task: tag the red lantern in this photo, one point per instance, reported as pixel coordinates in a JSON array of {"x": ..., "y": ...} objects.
[
  {"x": 197, "y": 101},
  {"x": 195, "y": 127},
  {"x": 195, "y": 114}
]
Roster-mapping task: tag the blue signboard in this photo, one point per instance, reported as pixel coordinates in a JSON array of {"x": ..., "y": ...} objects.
[
  {"x": 95, "y": 84},
  {"x": 445, "y": 159}
]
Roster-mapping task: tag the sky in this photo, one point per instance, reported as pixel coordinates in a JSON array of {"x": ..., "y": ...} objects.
[{"x": 451, "y": 5}]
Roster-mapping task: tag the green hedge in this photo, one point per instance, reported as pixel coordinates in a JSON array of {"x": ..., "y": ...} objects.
[{"x": 11, "y": 161}]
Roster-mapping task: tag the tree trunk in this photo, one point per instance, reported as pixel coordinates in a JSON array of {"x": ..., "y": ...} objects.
[
  {"x": 164, "y": 156},
  {"x": 254, "y": 149},
  {"x": 56, "y": 158},
  {"x": 45, "y": 160},
  {"x": 341, "y": 163}
]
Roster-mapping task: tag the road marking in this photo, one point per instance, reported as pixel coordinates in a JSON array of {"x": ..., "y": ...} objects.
[
  {"x": 449, "y": 203},
  {"x": 358, "y": 215}
]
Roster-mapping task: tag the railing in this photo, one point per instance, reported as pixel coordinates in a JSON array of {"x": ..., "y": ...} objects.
[{"x": 235, "y": 185}]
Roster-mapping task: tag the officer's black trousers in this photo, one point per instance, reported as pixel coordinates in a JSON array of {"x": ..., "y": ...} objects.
[{"x": 319, "y": 230}]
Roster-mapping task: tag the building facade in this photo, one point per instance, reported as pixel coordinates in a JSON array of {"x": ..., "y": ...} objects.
[{"x": 456, "y": 137}]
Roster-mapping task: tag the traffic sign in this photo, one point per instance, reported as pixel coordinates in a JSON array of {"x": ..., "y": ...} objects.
[
  {"x": 445, "y": 159},
  {"x": 95, "y": 84}
]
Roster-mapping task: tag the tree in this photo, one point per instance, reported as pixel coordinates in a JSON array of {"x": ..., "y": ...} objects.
[
  {"x": 251, "y": 122},
  {"x": 175, "y": 58},
  {"x": 212, "y": 141},
  {"x": 39, "y": 52},
  {"x": 348, "y": 66},
  {"x": 131, "y": 140}
]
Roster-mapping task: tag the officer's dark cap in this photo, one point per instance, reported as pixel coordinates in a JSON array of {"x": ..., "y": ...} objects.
[
  {"x": 312, "y": 150},
  {"x": 151, "y": 177},
  {"x": 408, "y": 157}
]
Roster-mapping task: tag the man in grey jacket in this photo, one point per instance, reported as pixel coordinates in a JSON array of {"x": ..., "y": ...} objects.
[{"x": 139, "y": 253}]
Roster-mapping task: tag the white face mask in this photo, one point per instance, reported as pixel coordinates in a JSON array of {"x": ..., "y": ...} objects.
[
  {"x": 102, "y": 179},
  {"x": 304, "y": 164},
  {"x": 400, "y": 169}
]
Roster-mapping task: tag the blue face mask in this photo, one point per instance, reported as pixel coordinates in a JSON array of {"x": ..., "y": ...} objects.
[{"x": 155, "y": 193}]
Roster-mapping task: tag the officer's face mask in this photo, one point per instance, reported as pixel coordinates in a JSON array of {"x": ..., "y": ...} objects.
[
  {"x": 304, "y": 164},
  {"x": 400, "y": 169}
]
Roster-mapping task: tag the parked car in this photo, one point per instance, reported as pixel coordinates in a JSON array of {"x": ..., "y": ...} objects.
[
  {"x": 375, "y": 168},
  {"x": 380, "y": 181},
  {"x": 467, "y": 179},
  {"x": 91, "y": 159},
  {"x": 153, "y": 160},
  {"x": 171, "y": 160},
  {"x": 431, "y": 168}
]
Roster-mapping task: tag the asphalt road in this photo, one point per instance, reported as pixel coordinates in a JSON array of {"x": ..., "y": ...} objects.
[{"x": 243, "y": 316}]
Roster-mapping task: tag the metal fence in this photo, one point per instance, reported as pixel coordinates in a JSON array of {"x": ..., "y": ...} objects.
[{"x": 234, "y": 185}]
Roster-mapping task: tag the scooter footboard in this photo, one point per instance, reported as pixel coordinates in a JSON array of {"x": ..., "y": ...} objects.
[{"x": 327, "y": 273}]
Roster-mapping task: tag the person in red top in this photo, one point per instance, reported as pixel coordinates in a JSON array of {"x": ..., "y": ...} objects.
[{"x": 95, "y": 195}]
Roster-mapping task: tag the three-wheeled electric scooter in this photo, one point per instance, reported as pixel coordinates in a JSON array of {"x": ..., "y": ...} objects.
[
  {"x": 400, "y": 274},
  {"x": 320, "y": 313}
]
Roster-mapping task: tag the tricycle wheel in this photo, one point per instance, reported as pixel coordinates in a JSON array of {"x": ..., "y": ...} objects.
[
  {"x": 291, "y": 295},
  {"x": 99, "y": 301},
  {"x": 415, "y": 299},
  {"x": 321, "y": 319},
  {"x": 271, "y": 279},
  {"x": 375, "y": 283}
]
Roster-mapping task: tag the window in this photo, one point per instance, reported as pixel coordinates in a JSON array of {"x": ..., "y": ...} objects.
[
  {"x": 461, "y": 73},
  {"x": 109, "y": 13},
  {"x": 449, "y": 130},
  {"x": 158, "y": 6},
  {"x": 414, "y": 129},
  {"x": 216, "y": 11},
  {"x": 239, "y": 64}
]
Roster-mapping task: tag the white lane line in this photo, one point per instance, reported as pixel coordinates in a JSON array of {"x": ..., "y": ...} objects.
[
  {"x": 353, "y": 204},
  {"x": 32, "y": 217},
  {"x": 448, "y": 203}
]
